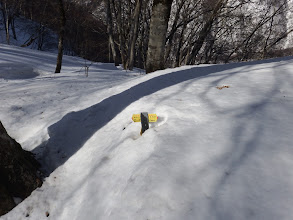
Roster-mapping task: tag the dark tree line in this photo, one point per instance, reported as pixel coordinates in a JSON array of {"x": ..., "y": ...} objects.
[
  {"x": 186, "y": 31},
  {"x": 199, "y": 31},
  {"x": 85, "y": 34}
]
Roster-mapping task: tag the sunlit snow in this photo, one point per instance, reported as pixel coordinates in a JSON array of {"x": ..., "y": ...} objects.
[{"x": 214, "y": 154}]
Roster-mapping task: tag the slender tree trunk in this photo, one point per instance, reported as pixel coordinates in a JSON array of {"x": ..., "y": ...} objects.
[
  {"x": 134, "y": 34},
  {"x": 41, "y": 36},
  {"x": 158, "y": 30},
  {"x": 146, "y": 32},
  {"x": 117, "y": 8},
  {"x": 5, "y": 13},
  {"x": 180, "y": 43},
  {"x": 13, "y": 28},
  {"x": 173, "y": 31},
  {"x": 204, "y": 32},
  {"x": 61, "y": 36},
  {"x": 110, "y": 33}
]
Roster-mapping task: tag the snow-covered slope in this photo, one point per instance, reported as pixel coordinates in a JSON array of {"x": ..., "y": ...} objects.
[
  {"x": 25, "y": 31},
  {"x": 213, "y": 154}
]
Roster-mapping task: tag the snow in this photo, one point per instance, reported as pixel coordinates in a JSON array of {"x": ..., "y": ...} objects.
[
  {"x": 25, "y": 30},
  {"x": 213, "y": 154}
]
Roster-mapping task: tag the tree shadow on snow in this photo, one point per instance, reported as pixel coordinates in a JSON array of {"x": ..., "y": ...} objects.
[
  {"x": 233, "y": 183},
  {"x": 247, "y": 142},
  {"x": 15, "y": 71},
  {"x": 69, "y": 134}
]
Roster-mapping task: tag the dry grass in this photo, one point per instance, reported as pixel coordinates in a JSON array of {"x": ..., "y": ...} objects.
[{"x": 222, "y": 87}]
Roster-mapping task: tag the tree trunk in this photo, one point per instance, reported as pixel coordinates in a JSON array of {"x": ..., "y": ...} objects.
[
  {"x": 5, "y": 13},
  {"x": 61, "y": 36},
  {"x": 180, "y": 43},
  {"x": 110, "y": 34},
  {"x": 13, "y": 28},
  {"x": 173, "y": 31},
  {"x": 204, "y": 32},
  {"x": 134, "y": 34},
  {"x": 41, "y": 36},
  {"x": 157, "y": 39},
  {"x": 18, "y": 172},
  {"x": 117, "y": 8}
]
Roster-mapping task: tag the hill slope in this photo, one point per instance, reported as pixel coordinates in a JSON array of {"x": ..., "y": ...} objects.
[{"x": 215, "y": 153}]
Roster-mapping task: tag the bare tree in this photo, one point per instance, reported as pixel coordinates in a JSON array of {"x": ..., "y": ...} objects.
[
  {"x": 110, "y": 33},
  {"x": 133, "y": 34},
  {"x": 158, "y": 29},
  {"x": 205, "y": 31},
  {"x": 8, "y": 9},
  {"x": 61, "y": 35}
]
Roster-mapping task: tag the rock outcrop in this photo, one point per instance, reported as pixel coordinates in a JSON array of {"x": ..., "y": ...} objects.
[{"x": 18, "y": 172}]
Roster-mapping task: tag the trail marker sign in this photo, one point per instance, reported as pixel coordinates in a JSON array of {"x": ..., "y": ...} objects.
[
  {"x": 136, "y": 117},
  {"x": 151, "y": 117},
  {"x": 144, "y": 118}
]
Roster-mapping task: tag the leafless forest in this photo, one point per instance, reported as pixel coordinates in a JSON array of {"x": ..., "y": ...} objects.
[{"x": 198, "y": 31}]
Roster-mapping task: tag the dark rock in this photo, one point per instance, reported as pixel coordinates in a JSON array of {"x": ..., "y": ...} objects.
[
  {"x": 18, "y": 172},
  {"x": 6, "y": 201}
]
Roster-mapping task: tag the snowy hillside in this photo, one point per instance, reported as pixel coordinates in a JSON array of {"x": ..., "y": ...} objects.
[
  {"x": 28, "y": 33},
  {"x": 221, "y": 149}
]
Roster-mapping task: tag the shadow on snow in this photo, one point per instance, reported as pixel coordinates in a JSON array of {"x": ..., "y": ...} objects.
[{"x": 69, "y": 134}]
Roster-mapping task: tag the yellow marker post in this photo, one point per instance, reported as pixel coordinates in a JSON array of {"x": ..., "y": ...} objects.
[
  {"x": 152, "y": 117},
  {"x": 146, "y": 119},
  {"x": 136, "y": 117}
]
